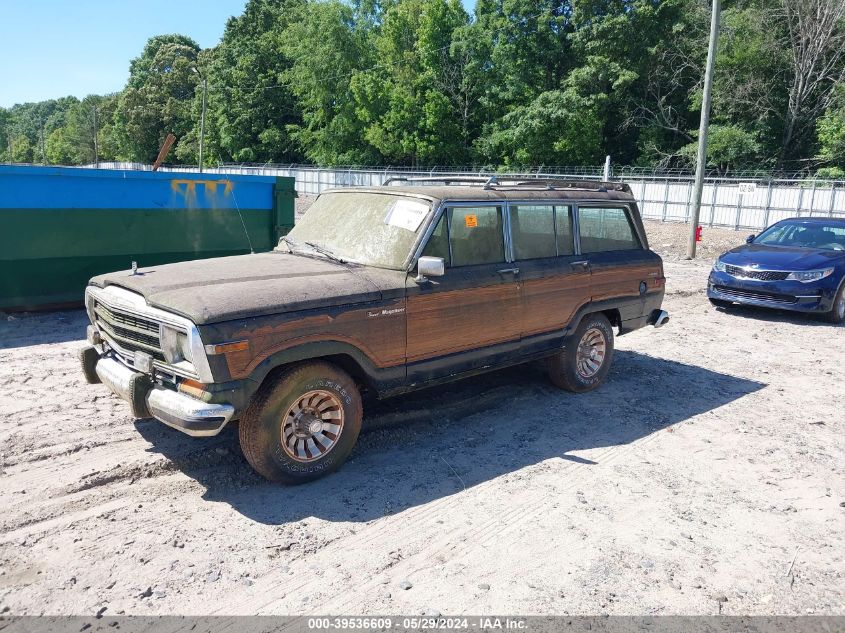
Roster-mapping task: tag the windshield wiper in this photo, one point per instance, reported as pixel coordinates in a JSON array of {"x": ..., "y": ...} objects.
[{"x": 325, "y": 251}]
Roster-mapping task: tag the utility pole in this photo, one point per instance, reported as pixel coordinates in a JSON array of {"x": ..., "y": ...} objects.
[
  {"x": 96, "y": 147},
  {"x": 43, "y": 152},
  {"x": 202, "y": 119},
  {"x": 701, "y": 159}
]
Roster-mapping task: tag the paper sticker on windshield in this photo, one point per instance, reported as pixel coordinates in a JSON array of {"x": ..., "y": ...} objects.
[
  {"x": 471, "y": 221},
  {"x": 407, "y": 214}
]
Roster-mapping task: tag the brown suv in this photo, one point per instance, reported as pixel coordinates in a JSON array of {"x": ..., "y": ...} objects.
[{"x": 385, "y": 289}]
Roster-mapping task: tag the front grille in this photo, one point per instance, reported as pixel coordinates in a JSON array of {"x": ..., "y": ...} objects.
[
  {"x": 760, "y": 275},
  {"x": 756, "y": 296},
  {"x": 129, "y": 332}
]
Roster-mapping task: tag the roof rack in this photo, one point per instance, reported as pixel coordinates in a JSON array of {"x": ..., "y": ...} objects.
[
  {"x": 493, "y": 182},
  {"x": 447, "y": 180}
]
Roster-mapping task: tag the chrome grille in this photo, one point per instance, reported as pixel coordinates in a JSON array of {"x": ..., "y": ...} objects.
[
  {"x": 129, "y": 332},
  {"x": 760, "y": 275}
]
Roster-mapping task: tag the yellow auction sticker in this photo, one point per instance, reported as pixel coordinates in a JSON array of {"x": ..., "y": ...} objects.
[{"x": 471, "y": 221}]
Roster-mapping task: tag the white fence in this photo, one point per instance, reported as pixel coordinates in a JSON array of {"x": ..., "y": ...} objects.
[{"x": 750, "y": 203}]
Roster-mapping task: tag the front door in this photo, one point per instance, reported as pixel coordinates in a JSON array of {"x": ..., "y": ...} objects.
[
  {"x": 555, "y": 281},
  {"x": 456, "y": 322}
]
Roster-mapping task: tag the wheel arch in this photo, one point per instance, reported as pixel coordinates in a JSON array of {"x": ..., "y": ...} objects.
[{"x": 341, "y": 354}]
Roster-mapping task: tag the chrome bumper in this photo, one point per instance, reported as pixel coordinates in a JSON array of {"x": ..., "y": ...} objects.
[{"x": 182, "y": 412}]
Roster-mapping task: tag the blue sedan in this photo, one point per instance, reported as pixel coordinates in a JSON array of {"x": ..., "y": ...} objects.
[{"x": 796, "y": 264}]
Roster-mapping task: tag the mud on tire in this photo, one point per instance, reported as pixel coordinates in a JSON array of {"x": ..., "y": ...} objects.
[
  {"x": 265, "y": 428},
  {"x": 563, "y": 368}
]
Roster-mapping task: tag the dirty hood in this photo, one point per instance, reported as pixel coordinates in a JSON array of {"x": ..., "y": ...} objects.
[{"x": 225, "y": 288}]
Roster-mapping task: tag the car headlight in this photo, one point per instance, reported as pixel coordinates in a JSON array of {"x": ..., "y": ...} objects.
[
  {"x": 175, "y": 345},
  {"x": 719, "y": 266},
  {"x": 806, "y": 276}
]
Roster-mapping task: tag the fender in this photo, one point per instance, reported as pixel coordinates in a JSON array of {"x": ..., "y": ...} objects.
[{"x": 350, "y": 358}]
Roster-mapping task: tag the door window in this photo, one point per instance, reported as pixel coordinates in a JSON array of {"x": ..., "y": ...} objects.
[
  {"x": 606, "y": 229},
  {"x": 475, "y": 235},
  {"x": 533, "y": 231},
  {"x": 563, "y": 226},
  {"x": 541, "y": 231}
]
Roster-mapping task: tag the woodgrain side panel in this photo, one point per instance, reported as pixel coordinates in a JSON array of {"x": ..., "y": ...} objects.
[
  {"x": 549, "y": 303},
  {"x": 446, "y": 322},
  {"x": 614, "y": 282},
  {"x": 378, "y": 331}
]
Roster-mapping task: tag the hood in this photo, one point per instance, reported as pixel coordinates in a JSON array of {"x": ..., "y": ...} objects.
[
  {"x": 225, "y": 288},
  {"x": 781, "y": 257}
]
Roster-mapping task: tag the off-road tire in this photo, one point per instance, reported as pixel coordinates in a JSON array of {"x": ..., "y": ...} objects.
[
  {"x": 563, "y": 367},
  {"x": 720, "y": 303},
  {"x": 837, "y": 313},
  {"x": 260, "y": 427}
]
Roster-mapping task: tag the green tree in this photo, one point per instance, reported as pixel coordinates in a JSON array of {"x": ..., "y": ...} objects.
[
  {"x": 409, "y": 116},
  {"x": 326, "y": 45},
  {"x": 250, "y": 105},
  {"x": 157, "y": 98}
]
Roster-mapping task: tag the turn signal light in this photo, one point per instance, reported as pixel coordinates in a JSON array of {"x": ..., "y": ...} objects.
[{"x": 227, "y": 348}]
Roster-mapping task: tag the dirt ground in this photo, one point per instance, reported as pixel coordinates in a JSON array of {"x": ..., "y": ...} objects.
[{"x": 706, "y": 476}]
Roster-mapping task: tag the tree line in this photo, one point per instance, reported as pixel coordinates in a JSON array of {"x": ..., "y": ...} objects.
[{"x": 422, "y": 82}]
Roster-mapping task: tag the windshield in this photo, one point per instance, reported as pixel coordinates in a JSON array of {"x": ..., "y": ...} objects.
[
  {"x": 367, "y": 228},
  {"x": 820, "y": 235}
]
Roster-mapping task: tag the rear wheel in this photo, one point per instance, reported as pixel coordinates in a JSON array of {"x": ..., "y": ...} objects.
[
  {"x": 837, "y": 314},
  {"x": 303, "y": 424},
  {"x": 583, "y": 364}
]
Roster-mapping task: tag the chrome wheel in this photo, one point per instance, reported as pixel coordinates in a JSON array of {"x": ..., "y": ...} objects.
[
  {"x": 592, "y": 350},
  {"x": 840, "y": 307},
  {"x": 312, "y": 426}
]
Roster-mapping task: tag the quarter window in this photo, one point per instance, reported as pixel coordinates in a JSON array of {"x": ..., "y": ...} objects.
[{"x": 606, "y": 229}]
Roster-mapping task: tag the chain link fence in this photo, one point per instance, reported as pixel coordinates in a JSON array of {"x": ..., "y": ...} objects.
[{"x": 743, "y": 200}]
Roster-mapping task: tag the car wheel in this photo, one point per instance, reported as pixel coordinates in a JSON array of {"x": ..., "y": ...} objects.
[
  {"x": 837, "y": 314},
  {"x": 584, "y": 363},
  {"x": 303, "y": 424},
  {"x": 720, "y": 303}
]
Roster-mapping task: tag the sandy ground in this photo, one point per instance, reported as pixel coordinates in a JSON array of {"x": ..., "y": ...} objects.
[{"x": 706, "y": 476}]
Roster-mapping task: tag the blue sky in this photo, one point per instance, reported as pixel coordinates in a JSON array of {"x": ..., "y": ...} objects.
[{"x": 55, "y": 48}]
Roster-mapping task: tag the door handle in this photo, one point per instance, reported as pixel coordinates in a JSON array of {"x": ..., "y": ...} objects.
[
  {"x": 514, "y": 271},
  {"x": 582, "y": 264}
]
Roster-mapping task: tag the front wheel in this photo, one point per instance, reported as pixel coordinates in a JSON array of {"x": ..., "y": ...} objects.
[
  {"x": 303, "y": 424},
  {"x": 837, "y": 313},
  {"x": 583, "y": 365}
]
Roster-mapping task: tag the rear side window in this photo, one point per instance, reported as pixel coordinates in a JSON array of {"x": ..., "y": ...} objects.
[
  {"x": 606, "y": 229},
  {"x": 533, "y": 231},
  {"x": 476, "y": 236},
  {"x": 541, "y": 231}
]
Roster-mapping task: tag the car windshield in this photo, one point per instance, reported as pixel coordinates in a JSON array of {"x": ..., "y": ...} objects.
[
  {"x": 814, "y": 234},
  {"x": 375, "y": 229}
]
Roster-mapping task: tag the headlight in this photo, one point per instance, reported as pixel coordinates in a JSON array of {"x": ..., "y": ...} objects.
[
  {"x": 175, "y": 345},
  {"x": 806, "y": 276},
  {"x": 719, "y": 266}
]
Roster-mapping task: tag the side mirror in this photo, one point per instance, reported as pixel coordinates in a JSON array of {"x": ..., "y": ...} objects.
[
  {"x": 750, "y": 238},
  {"x": 430, "y": 267}
]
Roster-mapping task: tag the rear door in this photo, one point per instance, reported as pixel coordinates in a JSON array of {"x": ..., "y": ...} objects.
[
  {"x": 456, "y": 321},
  {"x": 623, "y": 271},
  {"x": 555, "y": 280}
]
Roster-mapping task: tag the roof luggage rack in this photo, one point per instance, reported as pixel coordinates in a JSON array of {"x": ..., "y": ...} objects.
[{"x": 495, "y": 182}]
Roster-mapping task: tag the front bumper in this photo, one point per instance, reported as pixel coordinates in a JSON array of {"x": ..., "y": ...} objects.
[
  {"x": 147, "y": 399},
  {"x": 782, "y": 295}
]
